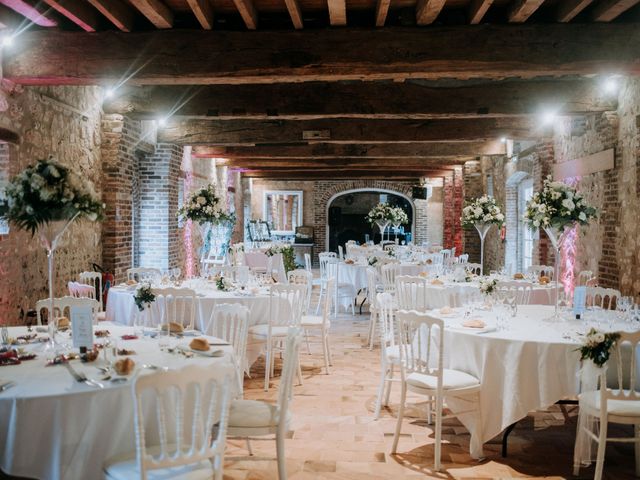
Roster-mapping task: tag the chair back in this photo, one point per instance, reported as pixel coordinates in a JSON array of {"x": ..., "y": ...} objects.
[
  {"x": 95, "y": 279},
  {"x": 325, "y": 258},
  {"x": 622, "y": 368},
  {"x": 140, "y": 274},
  {"x": 286, "y": 303},
  {"x": 176, "y": 305},
  {"x": 522, "y": 290},
  {"x": 372, "y": 288},
  {"x": 230, "y": 322},
  {"x": 236, "y": 273},
  {"x": 605, "y": 298},
  {"x": 540, "y": 270},
  {"x": 464, "y": 258},
  {"x": 81, "y": 290},
  {"x": 473, "y": 268},
  {"x": 291, "y": 352},
  {"x": 388, "y": 277},
  {"x": 187, "y": 410},
  {"x": 62, "y": 306},
  {"x": 386, "y": 322},
  {"x": 583, "y": 277},
  {"x": 421, "y": 344},
  {"x": 411, "y": 293},
  {"x": 307, "y": 262},
  {"x": 302, "y": 277},
  {"x": 340, "y": 252}
]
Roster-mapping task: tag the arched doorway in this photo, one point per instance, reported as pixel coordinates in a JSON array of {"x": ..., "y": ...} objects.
[{"x": 346, "y": 213}]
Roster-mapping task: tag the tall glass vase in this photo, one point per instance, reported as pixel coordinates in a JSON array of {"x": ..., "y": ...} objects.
[
  {"x": 382, "y": 225},
  {"x": 50, "y": 235},
  {"x": 205, "y": 233},
  {"x": 555, "y": 236},
  {"x": 396, "y": 226},
  {"x": 483, "y": 229}
]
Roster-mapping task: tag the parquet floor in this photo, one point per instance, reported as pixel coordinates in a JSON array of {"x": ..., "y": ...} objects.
[{"x": 334, "y": 435}]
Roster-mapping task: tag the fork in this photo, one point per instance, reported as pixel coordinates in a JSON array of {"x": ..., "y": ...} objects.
[{"x": 81, "y": 377}]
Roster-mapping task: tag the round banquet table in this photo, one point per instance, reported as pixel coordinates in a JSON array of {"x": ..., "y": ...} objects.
[
  {"x": 529, "y": 365},
  {"x": 53, "y": 427},
  {"x": 121, "y": 309}
]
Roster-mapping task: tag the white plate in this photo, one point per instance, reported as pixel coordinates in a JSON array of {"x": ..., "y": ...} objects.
[
  {"x": 209, "y": 353},
  {"x": 486, "y": 329}
]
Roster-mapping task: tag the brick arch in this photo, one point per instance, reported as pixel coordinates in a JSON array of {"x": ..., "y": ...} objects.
[{"x": 324, "y": 190}]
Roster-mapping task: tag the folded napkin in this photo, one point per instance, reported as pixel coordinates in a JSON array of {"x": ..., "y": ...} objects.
[
  {"x": 446, "y": 310},
  {"x": 131, "y": 282},
  {"x": 437, "y": 282},
  {"x": 474, "y": 323}
]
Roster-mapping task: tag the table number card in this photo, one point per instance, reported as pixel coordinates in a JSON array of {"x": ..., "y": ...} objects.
[
  {"x": 579, "y": 300},
  {"x": 82, "y": 327}
]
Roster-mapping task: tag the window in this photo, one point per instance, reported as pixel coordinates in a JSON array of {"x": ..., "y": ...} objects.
[
  {"x": 525, "y": 192},
  {"x": 490, "y": 185}
]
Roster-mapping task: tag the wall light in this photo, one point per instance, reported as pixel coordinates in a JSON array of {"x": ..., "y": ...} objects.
[
  {"x": 109, "y": 92},
  {"x": 503, "y": 139},
  {"x": 611, "y": 85},
  {"x": 162, "y": 121},
  {"x": 548, "y": 118},
  {"x": 7, "y": 41}
]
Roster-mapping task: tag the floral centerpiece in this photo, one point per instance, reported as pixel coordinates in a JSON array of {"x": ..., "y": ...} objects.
[
  {"x": 144, "y": 297},
  {"x": 46, "y": 198},
  {"x": 597, "y": 346},
  {"x": 555, "y": 208},
  {"x": 488, "y": 286},
  {"x": 399, "y": 218},
  {"x": 372, "y": 261},
  {"x": 204, "y": 206},
  {"x": 288, "y": 255},
  {"x": 381, "y": 215},
  {"x": 482, "y": 213},
  {"x": 224, "y": 284}
]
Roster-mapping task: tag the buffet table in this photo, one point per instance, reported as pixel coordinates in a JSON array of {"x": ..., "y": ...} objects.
[{"x": 53, "y": 427}]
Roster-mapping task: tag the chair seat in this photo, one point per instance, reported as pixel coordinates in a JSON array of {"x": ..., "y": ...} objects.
[
  {"x": 263, "y": 330},
  {"x": 451, "y": 380},
  {"x": 126, "y": 468},
  {"x": 623, "y": 408},
  {"x": 311, "y": 321},
  {"x": 254, "y": 414}
]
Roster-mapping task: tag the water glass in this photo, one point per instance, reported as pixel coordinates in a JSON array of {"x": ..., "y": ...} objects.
[{"x": 163, "y": 338}]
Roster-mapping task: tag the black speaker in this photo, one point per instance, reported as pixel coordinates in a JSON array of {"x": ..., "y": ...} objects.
[
  {"x": 419, "y": 193},
  {"x": 335, "y": 215}
]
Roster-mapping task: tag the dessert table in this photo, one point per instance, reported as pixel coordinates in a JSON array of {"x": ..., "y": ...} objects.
[
  {"x": 53, "y": 427},
  {"x": 530, "y": 364}
]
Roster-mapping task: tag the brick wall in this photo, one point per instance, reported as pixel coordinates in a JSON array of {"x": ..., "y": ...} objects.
[{"x": 472, "y": 172}]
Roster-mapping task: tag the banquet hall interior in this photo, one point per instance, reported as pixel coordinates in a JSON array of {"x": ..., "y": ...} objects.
[{"x": 360, "y": 239}]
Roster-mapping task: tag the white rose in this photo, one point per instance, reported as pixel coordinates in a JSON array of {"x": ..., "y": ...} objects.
[
  {"x": 582, "y": 217},
  {"x": 536, "y": 223},
  {"x": 568, "y": 204},
  {"x": 201, "y": 200},
  {"x": 599, "y": 337}
]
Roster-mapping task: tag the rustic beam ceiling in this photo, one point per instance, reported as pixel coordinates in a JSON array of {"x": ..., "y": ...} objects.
[
  {"x": 211, "y": 57},
  {"x": 304, "y": 101},
  {"x": 348, "y": 174},
  {"x": 477, "y": 10},
  {"x": 36, "y": 14},
  {"x": 203, "y": 12},
  {"x": 337, "y": 12},
  {"x": 521, "y": 10},
  {"x": 251, "y": 132},
  {"x": 367, "y": 164},
  {"x": 445, "y": 150},
  {"x": 295, "y": 13},
  {"x": 78, "y": 11},
  {"x": 607, "y": 10},
  {"x": 155, "y": 11},
  {"x": 118, "y": 13},
  {"x": 382, "y": 9},
  {"x": 248, "y": 12},
  {"x": 568, "y": 9},
  {"x": 428, "y": 10}
]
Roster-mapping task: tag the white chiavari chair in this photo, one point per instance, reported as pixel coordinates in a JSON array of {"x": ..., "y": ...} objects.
[
  {"x": 389, "y": 350},
  {"x": 141, "y": 274},
  {"x": 63, "y": 305},
  {"x": 372, "y": 296},
  {"x": 422, "y": 372},
  {"x": 318, "y": 326},
  {"x": 610, "y": 395},
  {"x": 285, "y": 311},
  {"x": 324, "y": 258},
  {"x": 541, "y": 270},
  {"x": 253, "y": 418},
  {"x": 94, "y": 279},
  {"x": 190, "y": 410},
  {"x": 583, "y": 278},
  {"x": 464, "y": 258},
  {"x": 411, "y": 293},
  {"x": 230, "y": 322},
  {"x": 521, "y": 289},
  {"x": 605, "y": 298},
  {"x": 388, "y": 274},
  {"x": 176, "y": 305},
  {"x": 473, "y": 268}
]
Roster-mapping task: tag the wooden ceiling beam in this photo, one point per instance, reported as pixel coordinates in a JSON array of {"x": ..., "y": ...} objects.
[
  {"x": 523, "y": 9},
  {"x": 323, "y": 151},
  {"x": 385, "y": 164},
  {"x": 117, "y": 12},
  {"x": 337, "y": 12},
  {"x": 203, "y": 11},
  {"x": 477, "y": 10},
  {"x": 78, "y": 11},
  {"x": 211, "y": 57},
  {"x": 156, "y": 11},
  {"x": 342, "y": 131},
  {"x": 608, "y": 10},
  {"x": 568, "y": 9},
  {"x": 248, "y": 12},
  {"x": 295, "y": 13},
  {"x": 350, "y": 174},
  {"x": 30, "y": 12},
  {"x": 382, "y": 9},
  {"x": 10, "y": 19},
  {"x": 428, "y": 10},
  {"x": 372, "y": 100}
]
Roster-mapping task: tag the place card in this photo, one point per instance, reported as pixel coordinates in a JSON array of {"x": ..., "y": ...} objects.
[
  {"x": 82, "y": 327},
  {"x": 579, "y": 300}
]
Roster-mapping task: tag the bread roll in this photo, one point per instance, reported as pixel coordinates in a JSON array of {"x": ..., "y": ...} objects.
[
  {"x": 63, "y": 322},
  {"x": 173, "y": 327},
  {"x": 124, "y": 366},
  {"x": 200, "y": 344},
  {"x": 544, "y": 280},
  {"x": 131, "y": 282},
  {"x": 518, "y": 276}
]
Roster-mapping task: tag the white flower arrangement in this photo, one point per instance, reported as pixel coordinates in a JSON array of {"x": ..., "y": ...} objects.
[
  {"x": 481, "y": 210},
  {"x": 47, "y": 192},
  {"x": 382, "y": 212},
  {"x": 399, "y": 216},
  {"x": 204, "y": 207},
  {"x": 236, "y": 248},
  {"x": 558, "y": 205},
  {"x": 488, "y": 285},
  {"x": 224, "y": 284}
]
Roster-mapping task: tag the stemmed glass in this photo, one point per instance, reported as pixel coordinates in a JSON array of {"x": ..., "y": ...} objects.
[{"x": 623, "y": 305}]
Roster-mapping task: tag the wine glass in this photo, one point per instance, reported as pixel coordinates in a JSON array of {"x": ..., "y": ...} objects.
[{"x": 176, "y": 273}]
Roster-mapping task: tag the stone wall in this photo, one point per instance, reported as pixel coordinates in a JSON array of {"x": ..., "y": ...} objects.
[{"x": 65, "y": 122}]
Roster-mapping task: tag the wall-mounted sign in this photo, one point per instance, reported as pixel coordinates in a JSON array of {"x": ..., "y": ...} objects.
[{"x": 598, "y": 162}]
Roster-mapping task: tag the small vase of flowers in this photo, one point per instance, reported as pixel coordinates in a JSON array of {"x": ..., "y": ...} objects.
[{"x": 482, "y": 213}]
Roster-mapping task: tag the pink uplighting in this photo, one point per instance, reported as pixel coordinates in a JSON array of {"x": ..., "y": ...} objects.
[
  {"x": 187, "y": 231},
  {"x": 568, "y": 251}
]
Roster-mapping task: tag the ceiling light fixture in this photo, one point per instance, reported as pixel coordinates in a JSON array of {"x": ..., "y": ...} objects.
[
  {"x": 7, "y": 41},
  {"x": 503, "y": 139},
  {"x": 611, "y": 85},
  {"x": 162, "y": 121},
  {"x": 549, "y": 117}
]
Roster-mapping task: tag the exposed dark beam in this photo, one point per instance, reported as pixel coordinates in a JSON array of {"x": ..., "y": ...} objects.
[
  {"x": 211, "y": 57},
  {"x": 444, "y": 150},
  {"x": 118, "y": 13},
  {"x": 382, "y": 9},
  {"x": 295, "y": 13},
  {"x": 350, "y": 174},
  {"x": 607, "y": 10},
  {"x": 203, "y": 12},
  {"x": 477, "y": 10},
  {"x": 248, "y": 12},
  {"x": 34, "y": 14},
  {"x": 523, "y": 9},
  {"x": 78, "y": 11},
  {"x": 342, "y": 131},
  {"x": 568, "y": 9},
  {"x": 337, "y": 12},
  {"x": 157, "y": 13},
  {"x": 428, "y": 10},
  {"x": 306, "y": 101}
]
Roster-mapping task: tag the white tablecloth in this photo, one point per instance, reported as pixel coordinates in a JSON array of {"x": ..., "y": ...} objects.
[
  {"x": 528, "y": 366},
  {"x": 52, "y": 427}
]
